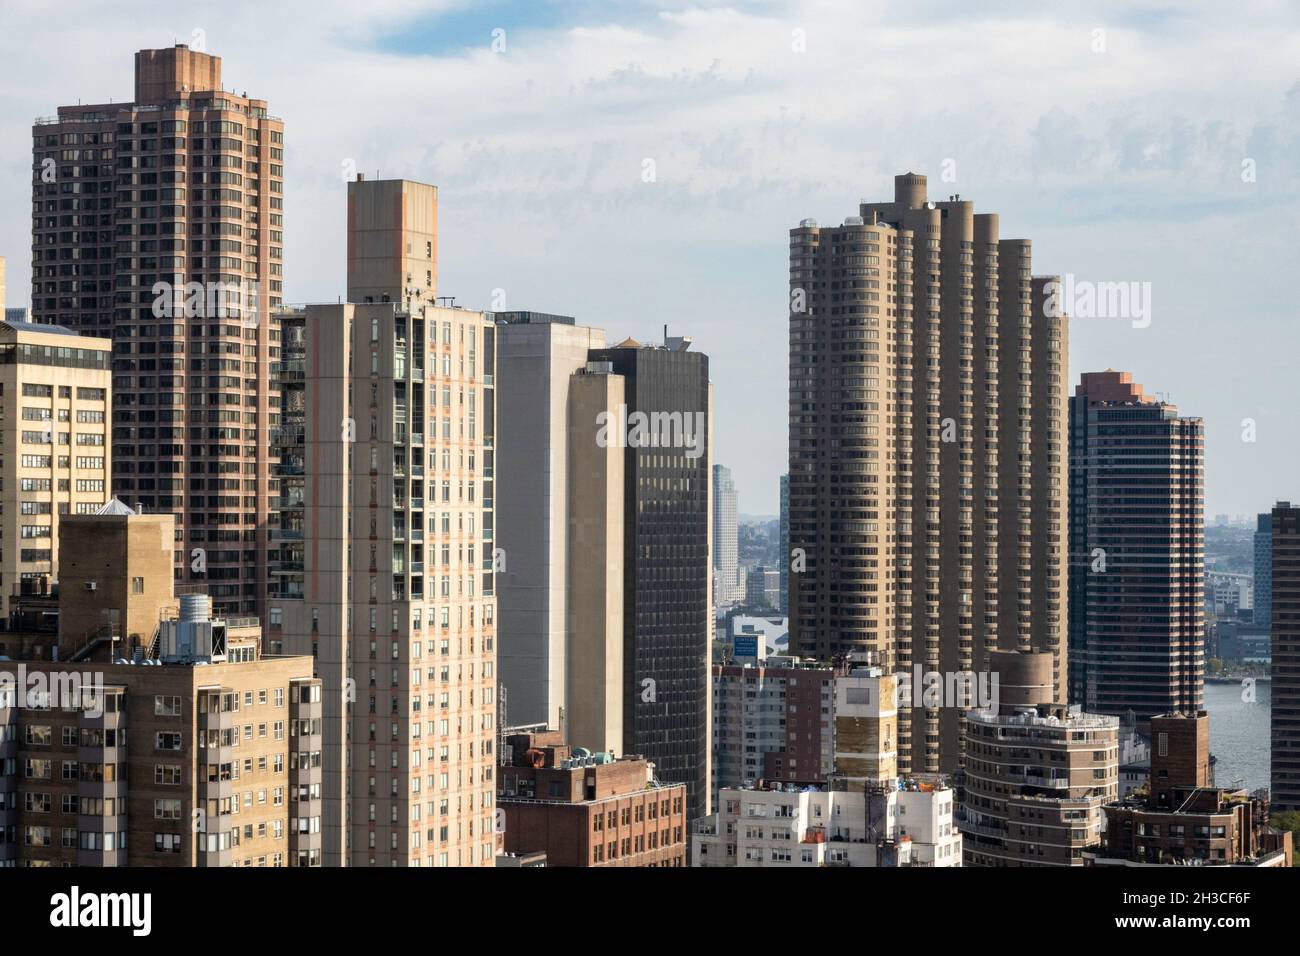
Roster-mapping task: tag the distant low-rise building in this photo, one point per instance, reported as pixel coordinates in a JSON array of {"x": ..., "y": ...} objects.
[{"x": 763, "y": 588}]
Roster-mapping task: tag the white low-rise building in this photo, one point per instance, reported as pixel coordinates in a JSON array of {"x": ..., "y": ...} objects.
[
  {"x": 817, "y": 826},
  {"x": 863, "y": 814}
]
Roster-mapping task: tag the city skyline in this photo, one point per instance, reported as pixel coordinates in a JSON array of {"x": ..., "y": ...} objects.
[
  {"x": 651, "y": 434},
  {"x": 1112, "y": 186}
]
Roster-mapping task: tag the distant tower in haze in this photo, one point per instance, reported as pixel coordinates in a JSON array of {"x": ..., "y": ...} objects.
[{"x": 725, "y": 532}]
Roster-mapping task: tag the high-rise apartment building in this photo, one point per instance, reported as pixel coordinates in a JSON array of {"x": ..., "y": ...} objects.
[
  {"x": 1284, "y": 789},
  {"x": 784, "y": 556},
  {"x": 385, "y": 533},
  {"x": 537, "y": 358},
  {"x": 927, "y": 448},
  {"x": 54, "y": 447},
  {"x": 726, "y": 542},
  {"x": 1137, "y": 551},
  {"x": 663, "y": 430},
  {"x": 158, "y": 223},
  {"x": 1037, "y": 773},
  {"x": 166, "y": 739},
  {"x": 1263, "y": 580}
]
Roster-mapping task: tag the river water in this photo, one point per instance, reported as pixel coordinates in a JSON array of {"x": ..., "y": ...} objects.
[{"x": 1239, "y": 734}]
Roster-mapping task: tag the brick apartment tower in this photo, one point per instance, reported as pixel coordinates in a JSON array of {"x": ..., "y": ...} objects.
[
  {"x": 927, "y": 461},
  {"x": 183, "y": 184},
  {"x": 1137, "y": 551},
  {"x": 1285, "y": 786},
  {"x": 385, "y": 532}
]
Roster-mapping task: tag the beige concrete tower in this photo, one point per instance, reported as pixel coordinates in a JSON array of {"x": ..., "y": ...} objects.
[
  {"x": 594, "y": 685},
  {"x": 392, "y": 241},
  {"x": 55, "y": 455},
  {"x": 385, "y": 562},
  {"x": 926, "y": 430},
  {"x": 158, "y": 223},
  {"x": 537, "y": 355}
]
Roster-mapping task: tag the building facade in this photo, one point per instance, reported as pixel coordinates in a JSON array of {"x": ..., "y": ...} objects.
[
  {"x": 772, "y": 722},
  {"x": 55, "y": 451},
  {"x": 726, "y": 541},
  {"x": 762, "y": 588},
  {"x": 1037, "y": 773},
  {"x": 1182, "y": 818},
  {"x": 537, "y": 358},
  {"x": 927, "y": 459},
  {"x": 1285, "y": 668},
  {"x": 385, "y": 532},
  {"x": 1137, "y": 544},
  {"x": 588, "y": 810},
  {"x": 1262, "y": 612},
  {"x": 158, "y": 223},
  {"x": 784, "y": 556},
  {"x": 862, "y": 814},
  {"x": 663, "y": 432},
  {"x": 171, "y": 740}
]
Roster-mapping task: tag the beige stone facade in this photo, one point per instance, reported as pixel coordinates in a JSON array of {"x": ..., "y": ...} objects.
[
  {"x": 55, "y": 453},
  {"x": 385, "y": 551},
  {"x": 170, "y": 743}
]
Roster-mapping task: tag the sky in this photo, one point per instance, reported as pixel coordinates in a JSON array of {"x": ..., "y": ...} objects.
[{"x": 639, "y": 163}]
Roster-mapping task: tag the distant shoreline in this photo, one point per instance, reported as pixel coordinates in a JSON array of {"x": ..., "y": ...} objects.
[{"x": 1262, "y": 678}]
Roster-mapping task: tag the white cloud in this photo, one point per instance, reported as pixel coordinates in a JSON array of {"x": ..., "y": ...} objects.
[{"x": 1122, "y": 164}]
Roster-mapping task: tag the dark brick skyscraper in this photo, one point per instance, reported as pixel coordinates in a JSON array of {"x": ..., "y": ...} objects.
[
  {"x": 158, "y": 223},
  {"x": 1285, "y": 786},
  {"x": 1137, "y": 551},
  {"x": 667, "y": 565}
]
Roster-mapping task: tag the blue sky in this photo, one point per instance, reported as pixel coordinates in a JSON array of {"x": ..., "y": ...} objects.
[{"x": 1121, "y": 163}]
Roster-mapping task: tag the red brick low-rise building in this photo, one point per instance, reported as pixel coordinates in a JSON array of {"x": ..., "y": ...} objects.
[
  {"x": 585, "y": 809},
  {"x": 1183, "y": 818}
]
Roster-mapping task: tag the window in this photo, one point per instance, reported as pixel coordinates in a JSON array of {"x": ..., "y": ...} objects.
[
  {"x": 137, "y": 585},
  {"x": 167, "y": 740},
  {"x": 166, "y": 706}
]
